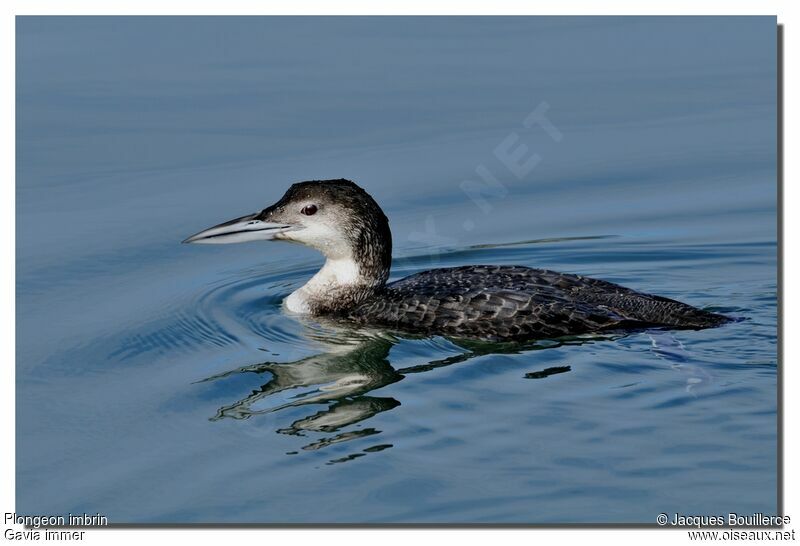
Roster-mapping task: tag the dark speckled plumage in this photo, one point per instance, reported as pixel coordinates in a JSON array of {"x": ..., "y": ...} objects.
[{"x": 518, "y": 303}]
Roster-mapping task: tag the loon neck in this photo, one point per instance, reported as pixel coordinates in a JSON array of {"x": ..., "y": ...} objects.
[
  {"x": 341, "y": 284},
  {"x": 358, "y": 259}
]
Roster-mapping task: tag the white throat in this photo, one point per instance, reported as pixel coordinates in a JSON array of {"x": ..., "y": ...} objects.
[{"x": 335, "y": 275}]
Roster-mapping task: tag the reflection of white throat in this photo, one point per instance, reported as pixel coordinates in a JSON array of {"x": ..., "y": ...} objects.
[{"x": 335, "y": 275}]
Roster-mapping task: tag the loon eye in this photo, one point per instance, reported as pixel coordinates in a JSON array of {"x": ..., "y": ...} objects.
[{"x": 308, "y": 210}]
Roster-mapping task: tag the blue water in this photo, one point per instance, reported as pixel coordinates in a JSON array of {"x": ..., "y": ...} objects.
[{"x": 159, "y": 382}]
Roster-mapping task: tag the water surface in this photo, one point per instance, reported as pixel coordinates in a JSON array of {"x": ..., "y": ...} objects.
[{"x": 159, "y": 382}]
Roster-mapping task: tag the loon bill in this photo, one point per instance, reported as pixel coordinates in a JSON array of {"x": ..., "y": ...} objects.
[{"x": 490, "y": 302}]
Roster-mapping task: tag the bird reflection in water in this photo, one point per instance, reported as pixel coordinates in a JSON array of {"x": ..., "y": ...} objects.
[{"x": 356, "y": 364}]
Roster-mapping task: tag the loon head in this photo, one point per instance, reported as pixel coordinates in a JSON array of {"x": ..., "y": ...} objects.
[{"x": 337, "y": 218}]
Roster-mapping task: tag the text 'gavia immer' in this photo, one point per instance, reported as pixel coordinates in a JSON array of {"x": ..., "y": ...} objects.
[{"x": 505, "y": 303}]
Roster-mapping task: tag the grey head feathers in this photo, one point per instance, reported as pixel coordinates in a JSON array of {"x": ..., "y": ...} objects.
[{"x": 361, "y": 220}]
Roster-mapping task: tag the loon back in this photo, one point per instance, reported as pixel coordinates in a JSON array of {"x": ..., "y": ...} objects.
[
  {"x": 341, "y": 220},
  {"x": 519, "y": 303}
]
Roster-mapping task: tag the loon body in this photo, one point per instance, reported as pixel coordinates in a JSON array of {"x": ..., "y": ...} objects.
[{"x": 490, "y": 302}]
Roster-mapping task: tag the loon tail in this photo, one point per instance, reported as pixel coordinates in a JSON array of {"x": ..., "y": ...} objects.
[{"x": 678, "y": 315}]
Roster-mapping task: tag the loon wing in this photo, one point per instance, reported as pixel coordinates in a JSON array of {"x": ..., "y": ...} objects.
[{"x": 515, "y": 302}]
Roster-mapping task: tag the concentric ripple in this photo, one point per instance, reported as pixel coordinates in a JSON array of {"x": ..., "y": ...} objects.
[{"x": 242, "y": 309}]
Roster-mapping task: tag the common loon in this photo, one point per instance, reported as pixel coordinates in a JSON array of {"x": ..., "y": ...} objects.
[{"x": 485, "y": 302}]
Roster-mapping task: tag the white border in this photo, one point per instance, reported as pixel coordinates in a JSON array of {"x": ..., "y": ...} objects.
[
  {"x": 411, "y": 7},
  {"x": 787, "y": 13}
]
